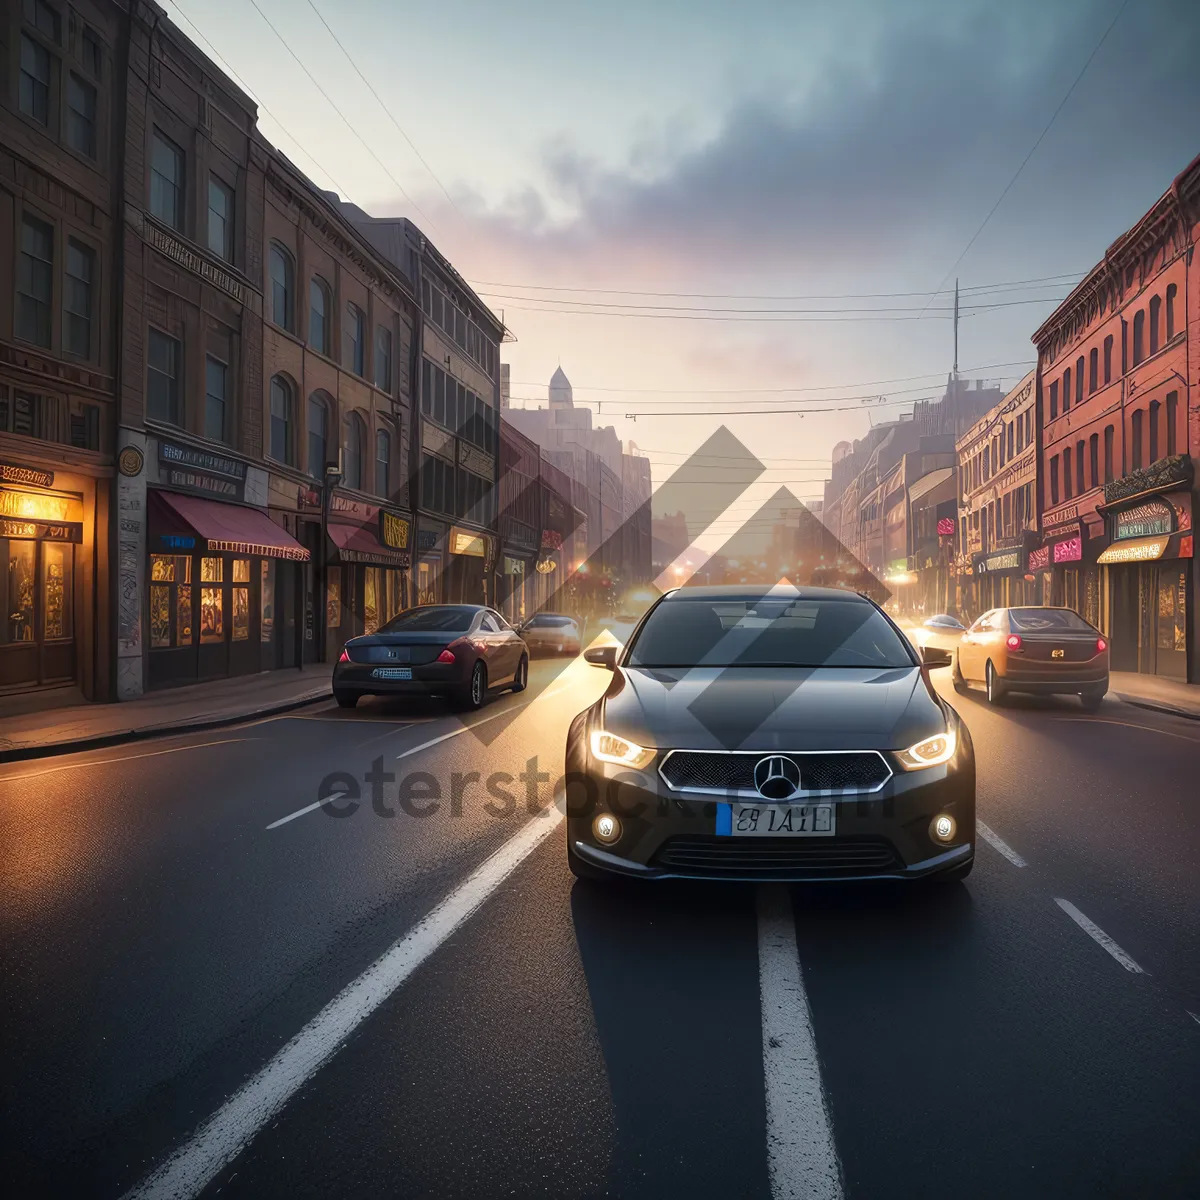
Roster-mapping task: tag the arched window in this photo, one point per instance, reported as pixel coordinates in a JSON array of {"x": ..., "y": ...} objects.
[
  {"x": 1094, "y": 455},
  {"x": 319, "y": 405},
  {"x": 1067, "y": 390},
  {"x": 1109, "y": 438},
  {"x": 1139, "y": 336},
  {"x": 1155, "y": 420},
  {"x": 1066, "y": 475},
  {"x": 383, "y": 462},
  {"x": 1172, "y": 417},
  {"x": 1171, "y": 292},
  {"x": 987, "y": 461},
  {"x": 283, "y": 287},
  {"x": 354, "y": 357},
  {"x": 1155, "y": 317},
  {"x": 318, "y": 315},
  {"x": 1093, "y": 370},
  {"x": 1136, "y": 438},
  {"x": 283, "y": 420},
  {"x": 1079, "y": 380},
  {"x": 1108, "y": 349},
  {"x": 355, "y": 438}
]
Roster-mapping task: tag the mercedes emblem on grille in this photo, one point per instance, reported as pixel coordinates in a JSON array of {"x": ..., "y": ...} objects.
[{"x": 777, "y": 777}]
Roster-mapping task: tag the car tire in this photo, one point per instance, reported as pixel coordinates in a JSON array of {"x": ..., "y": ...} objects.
[
  {"x": 521, "y": 679},
  {"x": 957, "y": 874},
  {"x": 1091, "y": 701},
  {"x": 956, "y": 677},
  {"x": 345, "y": 699},
  {"x": 584, "y": 870},
  {"x": 995, "y": 687},
  {"x": 474, "y": 694}
]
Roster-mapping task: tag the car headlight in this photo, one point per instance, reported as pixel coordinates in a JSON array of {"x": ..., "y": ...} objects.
[
  {"x": 610, "y": 748},
  {"x": 931, "y": 752}
]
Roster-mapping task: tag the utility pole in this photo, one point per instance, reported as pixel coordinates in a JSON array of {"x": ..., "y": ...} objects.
[{"x": 955, "y": 330}]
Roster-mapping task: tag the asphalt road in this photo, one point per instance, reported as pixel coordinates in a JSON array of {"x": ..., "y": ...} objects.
[{"x": 213, "y": 984}]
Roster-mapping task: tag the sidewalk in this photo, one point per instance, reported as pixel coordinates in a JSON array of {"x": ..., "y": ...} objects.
[
  {"x": 1151, "y": 691},
  {"x": 177, "y": 710}
]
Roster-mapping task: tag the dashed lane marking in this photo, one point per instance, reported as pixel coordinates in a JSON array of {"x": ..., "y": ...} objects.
[
  {"x": 802, "y": 1158},
  {"x": 1099, "y": 936},
  {"x": 306, "y": 809},
  {"x": 195, "y": 1164},
  {"x": 997, "y": 843}
]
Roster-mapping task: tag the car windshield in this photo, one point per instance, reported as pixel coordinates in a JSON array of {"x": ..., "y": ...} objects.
[
  {"x": 768, "y": 632},
  {"x": 549, "y": 619},
  {"x": 1048, "y": 620},
  {"x": 449, "y": 618}
]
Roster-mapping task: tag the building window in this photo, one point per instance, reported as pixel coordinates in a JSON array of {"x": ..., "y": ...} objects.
[
  {"x": 44, "y": 19},
  {"x": 1054, "y": 399},
  {"x": 35, "y": 80},
  {"x": 1094, "y": 456},
  {"x": 1079, "y": 380},
  {"x": 1124, "y": 346},
  {"x": 355, "y": 350},
  {"x": 1108, "y": 349},
  {"x": 1108, "y": 453},
  {"x": 1172, "y": 416},
  {"x": 1136, "y": 438},
  {"x": 239, "y": 596},
  {"x": 383, "y": 359},
  {"x": 81, "y": 115},
  {"x": 1139, "y": 336},
  {"x": 1155, "y": 317},
  {"x": 35, "y": 282},
  {"x": 1093, "y": 370},
  {"x": 318, "y": 435},
  {"x": 383, "y": 463},
  {"x": 77, "y": 300},
  {"x": 281, "y": 420},
  {"x": 212, "y": 607},
  {"x": 1054, "y": 480},
  {"x": 170, "y": 600},
  {"x": 1155, "y": 418},
  {"x": 220, "y": 218},
  {"x": 166, "y": 181},
  {"x": 1011, "y": 432},
  {"x": 1066, "y": 472},
  {"x": 1066, "y": 390},
  {"x": 214, "y": 400},
  {"x": 354, "y": 451},
  {"x": 1080, "y": 480},
  {"x": 318, "y": 315},
  {"x": 1171, "y": 291},
  {"x": 283, "y": 286},
  {"x": 163, "y": 356},
  {"x": 92, "y": 54}
]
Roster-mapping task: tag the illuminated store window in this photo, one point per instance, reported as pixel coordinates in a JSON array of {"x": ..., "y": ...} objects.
[{"x": 212, "y": 611}]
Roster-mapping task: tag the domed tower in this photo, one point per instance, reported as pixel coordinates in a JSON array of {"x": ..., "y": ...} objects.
[{"x": 561, "y": 394}]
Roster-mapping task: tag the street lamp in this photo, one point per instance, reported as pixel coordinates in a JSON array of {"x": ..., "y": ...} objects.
[{"x": 332, "y": 477}]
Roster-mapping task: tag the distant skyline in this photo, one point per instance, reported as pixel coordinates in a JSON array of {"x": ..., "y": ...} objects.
[{"x": 841, "y": 150}]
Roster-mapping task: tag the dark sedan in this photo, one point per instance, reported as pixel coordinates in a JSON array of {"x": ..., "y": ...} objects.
[
  {"x": 769, "y": 734},
  {"x": 455, "y": 650}
]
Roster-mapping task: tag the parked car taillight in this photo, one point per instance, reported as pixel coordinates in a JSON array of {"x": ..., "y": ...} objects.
[
  {"x": 446, "y": 656},
  {"x": 344, "y": 656},
  {"x": 1101, "y": 645},
  {"x": 1013, "y": 641}
]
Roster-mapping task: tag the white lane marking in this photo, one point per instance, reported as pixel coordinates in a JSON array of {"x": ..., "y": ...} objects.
[
  {"x": 306, "y": 809},
  {"x": 1130, "y": 725},
  {"x": 1099, "y": 936},
  {"x": 1193, "y": 1016},
  {"x": 195, "y": 1164},
  {"x": 104, "y": 762},
  {"x": 802, "y": 1158},
  {"x": 994, "y": 840}
]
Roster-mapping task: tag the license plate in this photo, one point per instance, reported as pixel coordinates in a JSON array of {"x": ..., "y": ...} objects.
[
  {"x": 1057, "y": 653},
  {"x": 392, "y": 672},
  {"x": 776, "y": 820}
]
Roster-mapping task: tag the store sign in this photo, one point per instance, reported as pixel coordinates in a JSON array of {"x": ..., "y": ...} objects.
[
  {"x": 427, "y": 539},
  {"x": 464, "y": 542},
  {"x": 1039, "y": 559},
  {"x": 394, "y": 530},
  {"x": 1010, "y": 560},
  {"x": 551, "y": 539},
  {"x": 197, "y": 481},
  {"x": 201, "y": 460},
  {"x": 30, "y": 476},
  {"x": 513, "y": 566},
  {"x": 945, "y": 527},
  {"x": 475, "y": 460},
  {"x": 1069, "y": 551},
  {"x": 1145, "y": 520},
  {"x": 1061, "y": 516},
  {"x": 175, "y": 250},
  {"x": 437, "y": 441},
  {"x": 177, "y": 541},
  {"x": 33, "y": 506},
  {"x": 546, "y": 565},
  {"x": 190, "y": 470},
  {"x": 1135, "y": 550},
  {"x": 50, "y": 531}
]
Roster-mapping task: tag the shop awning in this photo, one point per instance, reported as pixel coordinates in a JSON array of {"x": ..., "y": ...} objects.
[
  {"x": 359, "y": 543},
  {"x": 1135, "y": 549},
  {"x": 233, "y": 528}
]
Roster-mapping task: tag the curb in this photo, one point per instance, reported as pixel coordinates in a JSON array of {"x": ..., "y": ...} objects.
[
  {"x": 1156, "y": 706},
  {"x": 120, "y": 737}
]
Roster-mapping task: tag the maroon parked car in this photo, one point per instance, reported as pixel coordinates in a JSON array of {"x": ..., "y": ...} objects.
[{"x": 456, "y": 650}]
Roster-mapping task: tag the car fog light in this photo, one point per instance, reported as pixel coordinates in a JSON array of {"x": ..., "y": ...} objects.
[
  {"x": 943, "y": 827},
  {"x": 607, "y": 828}
]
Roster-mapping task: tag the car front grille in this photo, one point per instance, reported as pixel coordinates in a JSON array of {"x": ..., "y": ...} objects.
[
  {"x": 704, "y": 770},
  {"x": 818, "y": 858}
]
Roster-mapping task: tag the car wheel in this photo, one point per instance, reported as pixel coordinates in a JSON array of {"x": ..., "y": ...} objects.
[
  {"x": 1091, "y": 700},
  {"x": 473, "y": 694},
  {"x": 995, "y": 688},
  {"x": 956, "y": 677},
  {"x": 957, "y": 874},
  {"x": 346, "y": 699},
  {"x": 521, "y": 679},
  {"x": 584, "y": 870}
]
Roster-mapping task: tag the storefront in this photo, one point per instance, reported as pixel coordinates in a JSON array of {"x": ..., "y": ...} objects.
[
  {"x": 431, "y": 542},
  {"x": 470, "y": 561},
  {"x": 1000, "y": 578},
  {"x": 45, "y": 574},
  {"x": 517, "y": 563},
  {"x": 1073, "y": 541},
  {"x": 1149, "y": 577}
]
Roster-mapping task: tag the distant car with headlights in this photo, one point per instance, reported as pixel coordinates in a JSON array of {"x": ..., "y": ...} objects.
[
  {"x": 460, "y": 651},
  {"x": 1038, "y": 650},
  {"x": 769, "y": 733},
  {"x": 551, "y": 633},
  {"x": 941, "y": 630},
  {"x": 620, "y": 625}
]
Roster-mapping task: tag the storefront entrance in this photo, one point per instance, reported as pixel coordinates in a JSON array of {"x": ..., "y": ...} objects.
[{"x": 1149, "y": 618}]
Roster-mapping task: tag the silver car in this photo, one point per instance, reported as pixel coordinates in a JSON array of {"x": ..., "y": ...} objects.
[{"x": 551, "y": 633}]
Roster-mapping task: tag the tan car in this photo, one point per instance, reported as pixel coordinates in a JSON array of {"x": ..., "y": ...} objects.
[{"x": 551, "y": 633}]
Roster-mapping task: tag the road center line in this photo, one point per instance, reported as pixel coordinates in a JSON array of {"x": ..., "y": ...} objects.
[
  {"x": 195, "y": 1164},
  {"x": 802, "y": 1158},
  {"x": 998, "y": 843},
  {"x": 306, "y": 809},
  {"x": 1099, "y": 936}
]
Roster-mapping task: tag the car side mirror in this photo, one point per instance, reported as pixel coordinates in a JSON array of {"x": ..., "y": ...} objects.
[
  {"x": 935, "y": 656},
  {"x": 602, "y": 656}
]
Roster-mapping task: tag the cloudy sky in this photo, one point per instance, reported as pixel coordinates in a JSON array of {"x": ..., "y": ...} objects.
[{"x": 787, "y": 184}]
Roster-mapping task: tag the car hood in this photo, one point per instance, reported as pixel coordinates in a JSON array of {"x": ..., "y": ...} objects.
[{"x": 772, "y": 708}]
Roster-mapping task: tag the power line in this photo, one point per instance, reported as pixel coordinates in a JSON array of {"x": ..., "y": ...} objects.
[
  {"x": 384, "y": 106},
  {"x": 1033, "y": 148}
]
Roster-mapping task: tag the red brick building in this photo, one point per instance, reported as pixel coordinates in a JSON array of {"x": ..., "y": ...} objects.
[{"x": 1117, "y": 436}]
